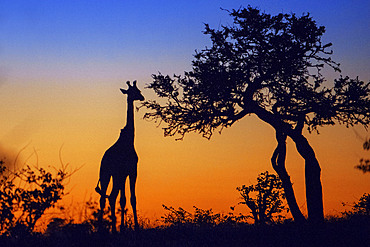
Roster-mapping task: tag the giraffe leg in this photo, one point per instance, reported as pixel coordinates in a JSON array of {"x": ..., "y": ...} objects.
[
  {"x": 133, "y": 198},
  {"x": 112, "y": 202},
  {"x": 104, "y": 185},
  {"x": 123, "y": 206}
]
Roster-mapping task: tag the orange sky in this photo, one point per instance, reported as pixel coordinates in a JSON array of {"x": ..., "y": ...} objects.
[
  {"x": 84, "y": 122},
  {"x": 61, "y": 68}
]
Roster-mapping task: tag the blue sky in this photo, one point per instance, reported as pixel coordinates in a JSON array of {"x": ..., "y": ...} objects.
[{"x": 83, "y": 39}]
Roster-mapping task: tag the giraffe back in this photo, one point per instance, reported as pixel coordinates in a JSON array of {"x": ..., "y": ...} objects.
[{"x": 121, "y": 157}]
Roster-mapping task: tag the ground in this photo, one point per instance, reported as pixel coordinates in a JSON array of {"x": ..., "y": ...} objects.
[{"x": 354, "y": 232}]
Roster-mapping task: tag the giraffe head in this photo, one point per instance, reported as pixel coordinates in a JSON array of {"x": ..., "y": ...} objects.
[{"x": 133, "y": 93}]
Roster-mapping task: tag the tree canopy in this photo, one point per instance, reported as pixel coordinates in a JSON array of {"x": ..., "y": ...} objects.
[{"x": 260, "y": 63}]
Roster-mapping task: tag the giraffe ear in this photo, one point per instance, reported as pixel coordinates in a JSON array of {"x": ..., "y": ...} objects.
[
  {"x": 124, "y": 91},
  {"x": 134, "y": 82}
]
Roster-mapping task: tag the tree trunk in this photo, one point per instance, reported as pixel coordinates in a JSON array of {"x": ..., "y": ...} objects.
[
  {"x": 253, "y": 209},
  {"x": 278, "y": 163},
  {"x": 314, "y": 194},
  {"x": 315, "y": 207}
]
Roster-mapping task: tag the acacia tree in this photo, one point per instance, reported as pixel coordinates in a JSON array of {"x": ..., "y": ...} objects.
[{"x": 269, "y": 66}]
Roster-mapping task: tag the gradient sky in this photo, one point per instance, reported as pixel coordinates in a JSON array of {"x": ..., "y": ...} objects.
[{"x": 62, "y": 64}]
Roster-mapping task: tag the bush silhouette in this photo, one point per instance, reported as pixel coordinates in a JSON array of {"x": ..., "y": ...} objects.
[
  {"x": 26, "y": 194},
  {"x": 203, "y": 218}
]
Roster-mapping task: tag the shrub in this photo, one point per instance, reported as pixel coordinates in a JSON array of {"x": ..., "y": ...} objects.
[
  {"x": 200, "y": 218},
  {"x": 26, "y": 194}
]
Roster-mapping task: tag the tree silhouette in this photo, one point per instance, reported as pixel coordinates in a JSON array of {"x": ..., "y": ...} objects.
[
  {"x": 265, "y": 199},
  {"x": 269, "y": 66}
]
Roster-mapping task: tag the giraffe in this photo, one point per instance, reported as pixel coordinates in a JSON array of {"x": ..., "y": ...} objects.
[{"x": 120, "y": 162}]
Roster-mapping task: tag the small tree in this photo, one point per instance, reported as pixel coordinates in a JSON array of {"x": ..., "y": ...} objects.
[
  {"x": 269, "y": 66},
  {"x": 26, "y": 194},
  {"x": 265, "y": 199}
]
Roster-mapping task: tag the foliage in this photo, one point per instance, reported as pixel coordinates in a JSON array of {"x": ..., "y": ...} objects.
[
  {"x": 265, "y": 199},
  {"x": 205, "y": 228},
  {"x": 262, "y": 64},
  {"x": 364, "y": 165},
  {"x": 26, "y": 194},
  {"x": 206, "y": 217},
  {"x": 176, "y": 217},
  {"x": 360, "y": 208},
  {"x": 7, "y": 196},
  {"x": 200, "y": 218}
]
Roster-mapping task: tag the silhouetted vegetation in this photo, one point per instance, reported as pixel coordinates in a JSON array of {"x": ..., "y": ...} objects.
[
  {"x": 265, "y": 199},
  {"x": 360, "y": 208},
  {"x": 270, "y": 66},
  {"x": 202, "y": 227},
  {"x": 181, "y": 218},
  {"x": 364, "y": 165},
  {"x": 25, "y": 195}
]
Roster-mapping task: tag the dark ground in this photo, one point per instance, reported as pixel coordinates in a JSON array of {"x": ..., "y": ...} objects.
[{"x": 355, "y": 232}]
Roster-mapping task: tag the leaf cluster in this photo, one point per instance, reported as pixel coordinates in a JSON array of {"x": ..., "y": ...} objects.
[{"x": 364, "y": 165}]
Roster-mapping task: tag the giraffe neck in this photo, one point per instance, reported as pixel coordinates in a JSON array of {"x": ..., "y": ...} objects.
[{"x": 130, "y": 127}]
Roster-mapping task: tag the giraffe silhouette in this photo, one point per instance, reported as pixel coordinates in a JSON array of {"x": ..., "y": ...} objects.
[{"x": 120, "y": 162}]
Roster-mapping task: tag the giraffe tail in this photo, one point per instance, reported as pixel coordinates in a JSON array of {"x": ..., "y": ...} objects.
[{"x": 98, "y": 190}]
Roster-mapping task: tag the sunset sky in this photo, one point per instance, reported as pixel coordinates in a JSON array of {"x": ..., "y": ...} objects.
[{"x": 62, "y": 64}]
